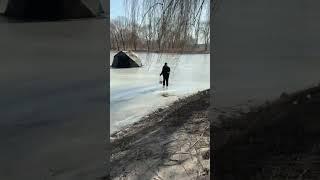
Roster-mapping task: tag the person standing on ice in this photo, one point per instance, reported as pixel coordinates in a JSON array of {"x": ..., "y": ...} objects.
[{"x": 165, "y": 74}]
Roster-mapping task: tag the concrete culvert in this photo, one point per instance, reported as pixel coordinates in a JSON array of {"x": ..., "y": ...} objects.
[{"x": 126, "y": 59}]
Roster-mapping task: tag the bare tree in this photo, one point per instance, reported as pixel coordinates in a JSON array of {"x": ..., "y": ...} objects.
[
  {"x": 165, "y": 25},
  {"x": 205, "y": 29},
  {"x": 114, "y": 36},
  {"x": 119, "y": 32}
]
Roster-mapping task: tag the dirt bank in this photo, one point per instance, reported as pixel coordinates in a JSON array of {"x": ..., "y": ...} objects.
[
  {"x": 170, "y": 143},
  {"x": 277, "y": 140}
]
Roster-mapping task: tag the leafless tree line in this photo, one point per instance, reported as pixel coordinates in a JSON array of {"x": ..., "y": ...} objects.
[{"x": 162, "y": 25}]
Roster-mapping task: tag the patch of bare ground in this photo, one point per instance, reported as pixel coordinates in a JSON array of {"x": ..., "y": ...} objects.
[
  {"x": 170, "y": 143},
  {"x": 277, "y": 140}
]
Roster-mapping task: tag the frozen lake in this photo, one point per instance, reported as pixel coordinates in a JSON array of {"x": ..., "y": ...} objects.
[{"x": 135, "y": 92}]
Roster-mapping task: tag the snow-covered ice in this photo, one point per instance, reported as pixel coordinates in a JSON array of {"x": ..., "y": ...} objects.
[{"x": 135, "y": 92}]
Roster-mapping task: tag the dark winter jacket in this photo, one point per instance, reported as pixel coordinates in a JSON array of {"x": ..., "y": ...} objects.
[{"x": 165, "y": 71}]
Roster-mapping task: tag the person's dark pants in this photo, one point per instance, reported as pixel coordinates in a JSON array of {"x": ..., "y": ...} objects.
[{"x": 165, "y": 80}]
